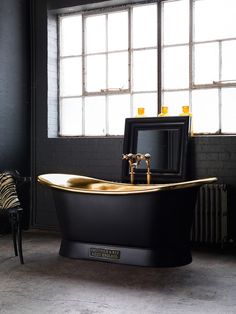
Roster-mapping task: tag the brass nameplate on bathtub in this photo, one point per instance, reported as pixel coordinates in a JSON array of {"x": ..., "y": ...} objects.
[{"x": 104, "y": 253}]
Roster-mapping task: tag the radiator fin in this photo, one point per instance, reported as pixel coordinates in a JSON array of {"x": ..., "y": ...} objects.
[{"x": 211, "y": 214}]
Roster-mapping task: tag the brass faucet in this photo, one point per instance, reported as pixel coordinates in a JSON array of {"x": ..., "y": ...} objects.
[{"x": 134, "y": 161}]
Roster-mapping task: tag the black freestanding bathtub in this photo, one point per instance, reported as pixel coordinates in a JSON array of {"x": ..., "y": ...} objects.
[{"x": 146, "y": 225}]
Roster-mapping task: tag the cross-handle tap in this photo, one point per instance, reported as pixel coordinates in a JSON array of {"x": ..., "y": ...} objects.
[{"x": 134, "y": 161}]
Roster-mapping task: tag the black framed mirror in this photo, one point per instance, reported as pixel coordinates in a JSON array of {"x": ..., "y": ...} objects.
[{"x": 165, "y": 139}]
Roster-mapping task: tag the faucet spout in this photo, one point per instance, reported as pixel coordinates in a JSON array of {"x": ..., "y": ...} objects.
[
  {"x": 147, "y": 157},
  {"x": 132, "y": 160},
  {"x": 132, "y": 166}
]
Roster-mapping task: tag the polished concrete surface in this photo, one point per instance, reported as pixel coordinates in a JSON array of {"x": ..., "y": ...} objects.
[{"x": 48, "y": 283}]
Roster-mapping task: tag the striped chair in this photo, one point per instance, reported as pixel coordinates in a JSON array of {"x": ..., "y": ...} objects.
[{"x": 10, "y": 205}]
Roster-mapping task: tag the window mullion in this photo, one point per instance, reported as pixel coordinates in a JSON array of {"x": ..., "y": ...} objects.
[
  {"x": 130, "y": 46},
  {"x": 83, "y": 73},
  {"x": 191, "y": 53},
  {"x": 220, "y": 61},
  {"x": 220, "y": 93},
  {"x": 106, "y": 97},
  {"x": 106, "y": 51},
  {"x": 130, "y": 58},
  {"x": 159, "y": 56},
  {"x": 83, "y": 55}
]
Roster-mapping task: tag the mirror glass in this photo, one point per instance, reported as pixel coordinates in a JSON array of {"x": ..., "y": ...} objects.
[
  {"x": 165, "y": 139},
  {"x": 164, "y": 145}
]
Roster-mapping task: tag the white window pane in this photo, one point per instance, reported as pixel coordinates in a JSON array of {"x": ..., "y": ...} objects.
[
  {"x": 118, "y": 111},
  {"x": 118, "y": 70},
  {"x": 176, "y": 22},
  {"x": 148, "y": 101},
  {"x": 206, "y": 65},
  {"x": 145, "y": 26},
  {"x": 229, "y": 60},
  {"x": 95, "y": 27},
  {"x": 174, "y": 101},
  {"x": 95, "y": 116},
  {"x": 176, "y": 67},
  {"x": 214, "y": 19},
  {"x": 228, "y": 21},
  {"x": 71, "y": 117},
  {"x": 71, "y": 77},
  {"x": 145, "y": 70},
  {"x": 118, "y": 31},
  {"x": 71, "y": 35},
  {"x": 228, "y": 110},
  {"x": 205, "y": 110},
  {"x": 96, "y": 73},
  {"x": 207, "y": 20}
]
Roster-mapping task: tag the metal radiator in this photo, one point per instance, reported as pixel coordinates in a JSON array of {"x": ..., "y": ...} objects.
[{"x": 211, "y": 214}]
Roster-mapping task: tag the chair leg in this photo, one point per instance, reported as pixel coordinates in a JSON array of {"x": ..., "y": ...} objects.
[
  {"x": 13, "y": 220},
  {"x": 19, "y": 236}
]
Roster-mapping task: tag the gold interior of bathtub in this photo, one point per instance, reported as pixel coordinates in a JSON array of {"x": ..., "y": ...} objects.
[{"x": 76, "y": 183}]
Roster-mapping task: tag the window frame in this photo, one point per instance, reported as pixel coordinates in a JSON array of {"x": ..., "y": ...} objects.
[
  {"x": 160, "y": 46},
  {"x": 104, "y": 92}
]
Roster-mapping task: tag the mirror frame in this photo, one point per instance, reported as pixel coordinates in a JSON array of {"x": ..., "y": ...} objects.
[{"x": 133, "y": 125}]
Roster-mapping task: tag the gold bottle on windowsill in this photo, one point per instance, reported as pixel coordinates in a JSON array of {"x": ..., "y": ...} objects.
[
  {"x": 140, "y": 112},
  {"x": 164, "y": 112}
]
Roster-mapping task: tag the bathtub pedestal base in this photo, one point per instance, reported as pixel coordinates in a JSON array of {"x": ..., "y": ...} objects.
[{"x": 161, "y": 257}]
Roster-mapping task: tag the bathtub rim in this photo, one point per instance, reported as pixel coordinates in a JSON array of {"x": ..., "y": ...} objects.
[{"x": 51, "y": 180}]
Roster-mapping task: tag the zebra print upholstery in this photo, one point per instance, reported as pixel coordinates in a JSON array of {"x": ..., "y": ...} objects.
[
  {"x": 8, "y": 193},
  {"x": 10, "y": 207}
]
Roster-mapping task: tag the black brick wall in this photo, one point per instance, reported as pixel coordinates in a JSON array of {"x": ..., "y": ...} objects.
[
  {"x": 14, "y": 85},
  {"x": 15, "y": 90},
  {"x": 216, "y": 156}
]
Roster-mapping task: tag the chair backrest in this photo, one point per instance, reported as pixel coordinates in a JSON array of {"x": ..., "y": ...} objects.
[{"x": 8, "y": 193}]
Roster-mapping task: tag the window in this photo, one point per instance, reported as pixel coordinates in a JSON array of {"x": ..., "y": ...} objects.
[
  {"x": 198, "y": 62},
  {"x": 108, "y": 68},
  {"x": 108, "y": 65}
]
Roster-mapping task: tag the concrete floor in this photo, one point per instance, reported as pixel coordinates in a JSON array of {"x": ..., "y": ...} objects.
[{"x": 48, "y": 283}]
